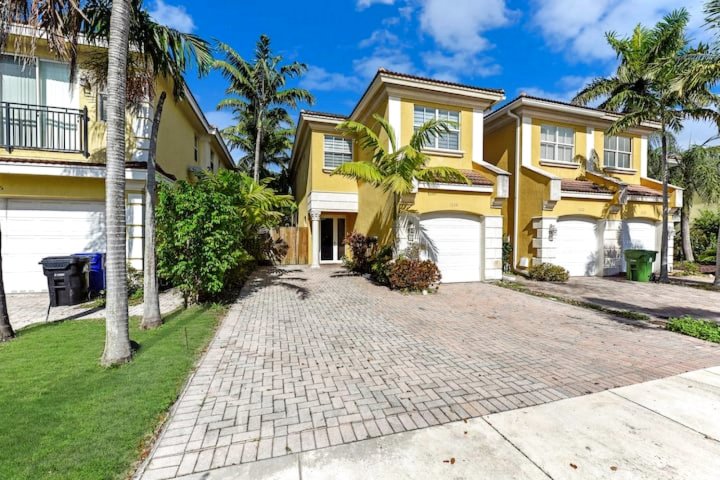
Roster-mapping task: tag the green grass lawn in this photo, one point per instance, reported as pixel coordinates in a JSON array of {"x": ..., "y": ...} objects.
[{"x": 63, "y": 416}]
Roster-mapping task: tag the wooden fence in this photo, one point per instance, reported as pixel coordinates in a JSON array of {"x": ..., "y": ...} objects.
[{"x": 296, "y": 239}]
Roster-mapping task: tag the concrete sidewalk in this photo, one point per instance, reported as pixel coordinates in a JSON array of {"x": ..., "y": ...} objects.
[{"x": 663, "y": 429}]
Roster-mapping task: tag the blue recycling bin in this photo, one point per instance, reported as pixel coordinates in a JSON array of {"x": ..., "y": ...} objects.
[{"x": 96, "y": 263}]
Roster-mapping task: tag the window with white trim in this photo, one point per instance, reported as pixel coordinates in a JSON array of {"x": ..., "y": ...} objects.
[
  {"x": 618, "y": 152},
  {"x": 557, "y": 144},
  {"x": 338, "y": 150},
  {"x": 444, "y": 141}
]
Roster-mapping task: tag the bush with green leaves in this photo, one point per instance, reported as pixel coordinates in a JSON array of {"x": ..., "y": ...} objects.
[
  {"x": 380, "y": 263},
  {"x": 547, "y": 272},
  {"x": 703, "y": 236},
  {"x": 703, "y": 329},
  {"x": 359, "y": 247},
  {"x": 209, "y": 229},
  {"x": 413, "y": 275},
  {"x": 688, "y": 268}
]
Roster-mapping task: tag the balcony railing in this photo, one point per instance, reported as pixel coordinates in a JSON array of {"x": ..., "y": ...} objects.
[{"x": 39, "y": 127}]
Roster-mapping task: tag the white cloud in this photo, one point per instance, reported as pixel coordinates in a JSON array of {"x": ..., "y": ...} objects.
[
  {"x": 172, "y": 16},
  {"x": 452, "y": 67},
  {"x": 578, "y": 28},
  {"x": 319, "y": 79},
  {"x": 460, "y": 27},
  {"x": 564, "y": 89},
  {"x": 363, "y": 4},
  {"x": 379, "y": 37},
  {"x": 387, "y": 58},
  {"x": 220, "y": 118}
]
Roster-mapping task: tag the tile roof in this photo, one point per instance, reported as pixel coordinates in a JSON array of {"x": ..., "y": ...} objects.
[
  {"x": 440, "y": 82},
  {"x": 583, "y": 186},
  {"x": 323, "y": 114},
  {"x": 474, "y": 176},
  {"x": 643, "y": 190}
]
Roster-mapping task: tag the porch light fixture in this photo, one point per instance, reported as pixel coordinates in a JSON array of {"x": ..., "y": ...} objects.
[
  {"x": 552, "y": 231},
  {"x": 411, "y": 231}
]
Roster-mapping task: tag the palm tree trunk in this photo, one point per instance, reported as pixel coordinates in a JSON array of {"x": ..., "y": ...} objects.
[
  {"x": 151, "y": 297},
  {"x": 117, "y": 335},
  {"x": 685, "y": 232},
  {"x": 665, "y": 212},
  {"x": 717, "y": 262},
  {"x": 6, "y": 330},
  {"x": 258, "y": 149}
]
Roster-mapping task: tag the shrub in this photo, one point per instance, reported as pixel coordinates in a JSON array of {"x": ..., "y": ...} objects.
[
  {"x": 134, "y": 282},
  {"x": 694, "y": 327},
  {"x": 413, "y": 275},
  {"x": 547, "y": 272},
  {"x": 703, "y": 235},
  {"x": 688, "y": 268},
  {"x": 359, "y": 246},
  {"x": 380, "y": 264},
  {"x": 507, "y": 252},
  {"x": 208, "y": 229}
]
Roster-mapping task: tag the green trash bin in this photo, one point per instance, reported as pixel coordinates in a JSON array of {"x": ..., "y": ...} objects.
[{"x": 639, "y": 264}]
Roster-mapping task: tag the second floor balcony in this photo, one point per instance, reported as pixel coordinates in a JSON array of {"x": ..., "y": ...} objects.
[{"x": 45, "y": 128}]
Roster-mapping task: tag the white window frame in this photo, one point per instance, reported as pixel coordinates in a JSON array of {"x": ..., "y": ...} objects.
[
  {"x": 555, "y": 144},
  {"x": 326, "y": 151},
  {"x": 453, "y": 129},
  {"x": 617, "y": 152}
]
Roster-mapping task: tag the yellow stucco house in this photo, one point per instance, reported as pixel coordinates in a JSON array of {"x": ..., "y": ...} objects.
[
  {"x": 578, "y": 198},
  {"x": 544, "y": 175},
  {"x": 459, "y": 225},
  {"x": 52, "y": 163}
]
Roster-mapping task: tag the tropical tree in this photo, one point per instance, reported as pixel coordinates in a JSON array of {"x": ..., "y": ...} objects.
[
  {"x": 643, "y": 89},
  {"x": 159, "y": 53},
  {"x": 6, "y": 329},
  {"x": 395, "y": 170},
  {"x": 117, "y": 335},
  {"x": 259, "y": 88},
  {"x": 277, "y": 141},
  {"x": 697, "y": 172}
]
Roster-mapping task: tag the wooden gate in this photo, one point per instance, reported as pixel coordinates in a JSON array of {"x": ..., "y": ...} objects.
[{"x": 296, "y": 239}]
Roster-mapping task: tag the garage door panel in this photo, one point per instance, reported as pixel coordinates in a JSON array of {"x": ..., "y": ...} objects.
[
  {"x": 34, "y": 229},
  {"x": 577, "y": 246},
  {"x": 454, "y": 243}
]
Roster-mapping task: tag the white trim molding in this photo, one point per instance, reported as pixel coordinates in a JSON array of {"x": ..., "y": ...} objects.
[
  {"x": 60, "y": 170},
  {"x": 458, "y": 187},
  {"x": 526, "y": 139},
  {"x": 588, "y": 196},
  {"x": 643, "y": 155},
  {"x": 589, "y": 143},
  {"x": 333, "y": 202}
]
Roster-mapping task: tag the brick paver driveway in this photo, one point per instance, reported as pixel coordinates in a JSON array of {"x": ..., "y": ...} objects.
[
  {"x": 312, "y": 358},
  {"x": 659, "y": 301}
]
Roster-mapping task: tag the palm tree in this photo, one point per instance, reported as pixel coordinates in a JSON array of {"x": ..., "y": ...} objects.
[
  {"x": 260, "y": 87},
  {"x": 117, "y": 335},
  {"x": 643, "y": 89},
  {"x": 395, "y": 170},
  {"x": 276, "y": 141},
  {"x": 159, "y": 52},
  {"x": 6, "y": 330},
  {"x": 697, "y": 173}
]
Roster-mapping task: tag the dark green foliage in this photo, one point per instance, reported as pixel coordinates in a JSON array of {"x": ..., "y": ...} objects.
[
  {"x": 703, "y": 235},
  {"x": 66, "y": 417},
  {"x": 547, "y": 272},
  {"x": 208, "y": 229},
  {"x": 507, "y": 251},
  {"x": 413, "y": 275},
  {"x": 702, "y": 329},
  {"x": 380, "y": 263}
]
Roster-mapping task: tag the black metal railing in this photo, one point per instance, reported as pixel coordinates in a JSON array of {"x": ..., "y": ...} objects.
[{"x": 39, "y": 127}]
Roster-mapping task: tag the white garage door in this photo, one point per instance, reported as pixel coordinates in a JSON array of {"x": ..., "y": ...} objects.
[
  {"x": 639, "y": 234},
  {"x": 454, "y": 242},
  {"x": 34, "y": 229},
  {"x": 577, "y": 246}
]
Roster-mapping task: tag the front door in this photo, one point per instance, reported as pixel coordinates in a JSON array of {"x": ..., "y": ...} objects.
[{"x": 332, "y": 233}]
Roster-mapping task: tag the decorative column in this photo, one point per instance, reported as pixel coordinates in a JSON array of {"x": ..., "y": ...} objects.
[{"x": 315, "y": 233}]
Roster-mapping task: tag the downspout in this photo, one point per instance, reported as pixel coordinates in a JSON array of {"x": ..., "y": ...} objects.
[{"x": 516, "y": 199}]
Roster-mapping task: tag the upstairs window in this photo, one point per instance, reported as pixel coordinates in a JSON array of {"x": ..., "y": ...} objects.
[
  {"x": 444, "y": 141},
  {"x": 618, "y": 152},
  {"x": 557, "y": 144},
  {"x": 338, "y": 150}
]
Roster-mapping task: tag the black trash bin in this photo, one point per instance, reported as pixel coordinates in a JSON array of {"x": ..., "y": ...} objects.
[{"x": 67, "y": 279}]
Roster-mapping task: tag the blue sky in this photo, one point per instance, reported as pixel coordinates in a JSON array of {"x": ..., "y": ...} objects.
[{"x": 548, "y": 48}]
